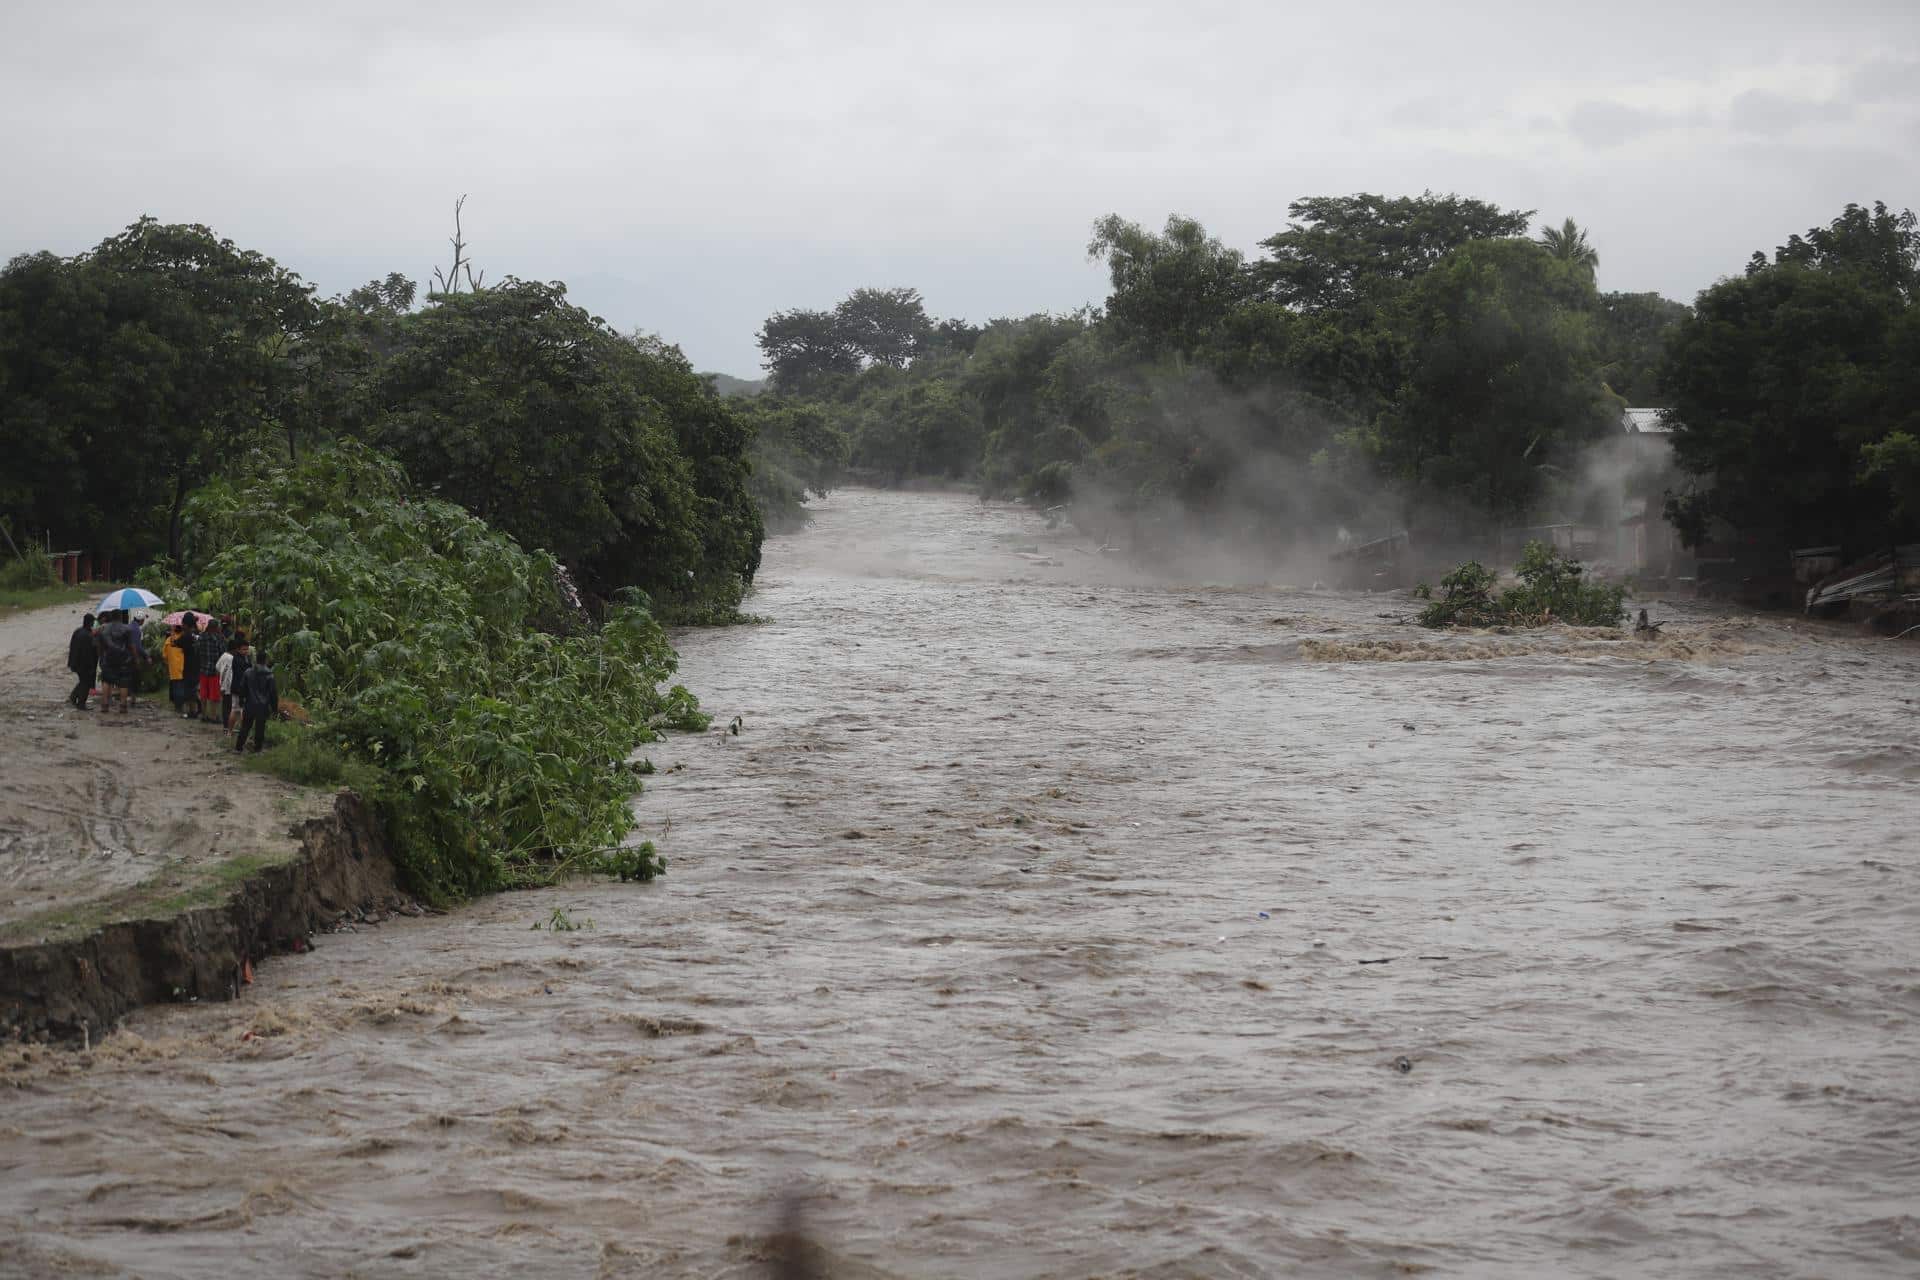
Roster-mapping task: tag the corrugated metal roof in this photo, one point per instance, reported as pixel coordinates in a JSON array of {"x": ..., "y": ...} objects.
[{"x": 1644, "y": 422}]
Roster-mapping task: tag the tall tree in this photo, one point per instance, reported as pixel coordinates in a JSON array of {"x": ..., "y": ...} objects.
[
  {"x": 523, "y": 409},
  {"x": 1876, "y": 245},
  {"x": 803, "y": 350},
  {"x": 887, "y": 326},
  {"x": 165, "y": 346},
  {"x": 1568, "y": 243},
  {"x": 1632, "y": 334},
  {"x": 1339, "y": 250},
  {"x": 1500, "y": 377},
  {"x": 1169, "y": 290},
  {"x": 1790, "y": 384}
]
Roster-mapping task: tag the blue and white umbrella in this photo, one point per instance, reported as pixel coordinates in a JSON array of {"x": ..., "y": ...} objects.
[{"x": 128, "y": 598}]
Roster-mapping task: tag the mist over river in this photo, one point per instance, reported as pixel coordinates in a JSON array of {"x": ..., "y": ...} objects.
[{"x": 963, "y": 933}]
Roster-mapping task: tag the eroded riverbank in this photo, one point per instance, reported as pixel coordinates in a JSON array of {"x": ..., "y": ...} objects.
[{"x": 963, "y": 930}]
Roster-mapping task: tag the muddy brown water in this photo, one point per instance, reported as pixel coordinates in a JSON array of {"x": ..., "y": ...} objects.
[{"x": 962, "y": 935}]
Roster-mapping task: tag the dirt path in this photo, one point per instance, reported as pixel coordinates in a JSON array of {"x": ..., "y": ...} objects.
[{"x": 107, "y": 817}]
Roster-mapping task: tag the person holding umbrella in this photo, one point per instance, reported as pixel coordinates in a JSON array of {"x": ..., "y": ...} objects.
[
  {"x": 118, "y": 644},
  {"x": 120, "y": 662},
  {"x": 83, "y": 659}
]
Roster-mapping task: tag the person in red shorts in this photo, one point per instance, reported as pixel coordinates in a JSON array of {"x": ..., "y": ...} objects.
[{"x": 207, "y": 647}]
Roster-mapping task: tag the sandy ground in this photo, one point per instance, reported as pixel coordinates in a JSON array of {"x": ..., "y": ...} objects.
[{"x": 101, "y": 816}]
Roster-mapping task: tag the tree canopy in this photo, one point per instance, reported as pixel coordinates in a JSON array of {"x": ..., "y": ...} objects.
[
  {"x": 806, "y": 350},
  {"x": 128, "y": 373},
  {"x": 1415, "y": 346},
  {"x": 1338, "y": 249},
  {"x": 1791, "y": 384},
  {"x": 167, "y": 357}
]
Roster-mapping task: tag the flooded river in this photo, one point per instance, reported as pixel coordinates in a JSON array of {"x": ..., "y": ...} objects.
[{"x": 1039, "y": 921}]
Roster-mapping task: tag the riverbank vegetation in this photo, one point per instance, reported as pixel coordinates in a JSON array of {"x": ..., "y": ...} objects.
[
  {"x": 1387, "y": 362},
  {"x": 1795, "y": 389},
  {"x": 167, "y": 357},
  {"x": 456, "y": 528},
  {"x": 446, "y": 671}
]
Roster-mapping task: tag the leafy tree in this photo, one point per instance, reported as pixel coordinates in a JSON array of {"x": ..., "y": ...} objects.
[
  {"x": 887, "y": 326},
  {"x": 1500, "y": 377},
  {"x": 1568, "y": 243},
  {"x": 952, "y": 336},
  {"x": 804, "y": 350},
  {"x": 1875, "y": 245},
  {"x": 797, "y": 452},
  {"x": 1169, "y": 290},
  {"x": 151, "y": 360},
  {"x": 1008, "y": 377},
  {"x": 714, "y": 440},
  {"x": 918, "y": 428},
  {"x": 513, "y": 403},
  {"x": 390, "y": 297},
  {"x": 1340, "y": 251},
  {"x": 613, "y": 455},
  {"x": 1895, "y": 461},
  {"x": 1789, "y": 383},
  {"x": 1631, "y": 337},
  {"x": 434, "y": 649}
]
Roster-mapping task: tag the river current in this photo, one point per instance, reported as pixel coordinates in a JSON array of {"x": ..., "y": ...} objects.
[{"x": 1044, "y": 919}]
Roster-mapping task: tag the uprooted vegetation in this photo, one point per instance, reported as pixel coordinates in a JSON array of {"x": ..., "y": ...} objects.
[{"x": 1552, "y": 588}]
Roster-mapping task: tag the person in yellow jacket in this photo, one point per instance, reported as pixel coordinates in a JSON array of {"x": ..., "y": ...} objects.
[{"x": 174, "y": 653}]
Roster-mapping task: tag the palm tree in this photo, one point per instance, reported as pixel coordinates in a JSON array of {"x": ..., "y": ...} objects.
[{"x": 1568, "y": 243}]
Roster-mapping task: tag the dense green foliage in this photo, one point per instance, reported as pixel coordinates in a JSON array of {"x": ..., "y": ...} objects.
[
  {"x": 806, "y": 349},
  {"x": 1631, "y": 338},
  {"x": 1796, "y": 389},
  {"x": 609, "y": 452},
  {"x": 1551, "y": 588},
  {"x": 132, "y": 371},
  {"x": 1414, "y": 346},
  {"x": 429, "y": 645},
  {"x": 166, "y": 356}
]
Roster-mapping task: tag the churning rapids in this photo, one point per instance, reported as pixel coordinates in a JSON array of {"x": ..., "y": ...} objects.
[{"x": 962, "y": 932}]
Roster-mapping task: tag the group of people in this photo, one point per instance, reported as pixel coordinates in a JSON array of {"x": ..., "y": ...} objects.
[
  {"x": 111, "y": 655},
  {"x": 208, "y": 662}
]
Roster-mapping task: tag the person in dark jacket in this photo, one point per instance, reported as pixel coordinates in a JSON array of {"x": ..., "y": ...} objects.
[
  {"x": 187, "y": 638},
  {"x": 262, "y": 700},
  {"x": 83, "y": 659},
  {"x": 120, "y": 661}
]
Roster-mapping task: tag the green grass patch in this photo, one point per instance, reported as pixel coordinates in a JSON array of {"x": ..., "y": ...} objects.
[
  {"x": 45, "y": 597},
  {"x": 308, "y": 756},
  {"x": 31, "y": 583}
]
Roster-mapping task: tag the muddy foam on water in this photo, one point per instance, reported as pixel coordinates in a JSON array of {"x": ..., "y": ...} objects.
[{"x": 1044, "y": 919}]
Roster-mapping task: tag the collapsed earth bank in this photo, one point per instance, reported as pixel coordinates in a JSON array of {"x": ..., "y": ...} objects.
[{"x": 79, "y": 988}]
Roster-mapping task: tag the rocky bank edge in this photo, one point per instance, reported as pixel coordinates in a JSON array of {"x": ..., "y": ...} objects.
[{"x": 84, "y": 986}]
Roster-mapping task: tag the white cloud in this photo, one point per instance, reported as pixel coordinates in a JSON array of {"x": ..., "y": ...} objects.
[{"x": 690, "y": 168}]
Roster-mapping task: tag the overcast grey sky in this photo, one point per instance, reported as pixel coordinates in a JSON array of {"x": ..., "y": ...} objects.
[{"x": 689, "y": 169}]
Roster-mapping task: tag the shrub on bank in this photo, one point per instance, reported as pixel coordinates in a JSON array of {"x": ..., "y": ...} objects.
[
  {"x": 1552, "y": 588},
  {"x": 434, "y": 648}
]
